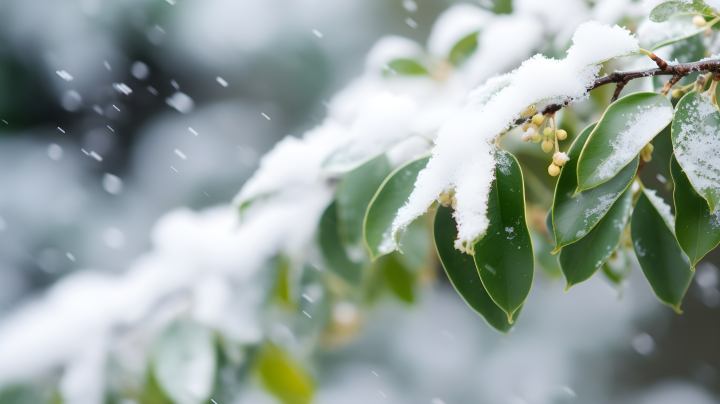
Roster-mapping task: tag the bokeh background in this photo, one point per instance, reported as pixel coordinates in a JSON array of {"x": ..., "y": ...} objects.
[{"x": 88, "y": 165}]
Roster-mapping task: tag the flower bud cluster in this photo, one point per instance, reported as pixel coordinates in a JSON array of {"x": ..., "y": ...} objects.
[{"x": 646, "y": 152}]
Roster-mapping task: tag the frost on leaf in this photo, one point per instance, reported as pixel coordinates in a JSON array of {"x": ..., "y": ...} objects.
[
  {"x": 642, "y": 126},
  {"x": 463, "y": 157},
  {"x": 662, "y": 208},
  {"x": 696, "y": 138}
]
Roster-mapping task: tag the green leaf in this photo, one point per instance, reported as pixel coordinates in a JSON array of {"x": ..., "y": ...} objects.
[
  {"x": 334, "y": 253},
  {"x": 575, "y": 216},
  {"x": 353, "y": 195},
  {"x": 504, "y": 256},
  {"x": 460, "y": 269},
  {"x": 663, "y": 262},
  {"x": 282, "y": 290},
  {"x": 580, "y": 261},
  {"x": 389, "y": 198},
  {"x": 617, "y": 268},
  {"x": 284, "y": 377},
  {"x": 416, "y": 246},
  {"x": 671, "y": 31},
  {"x": 184, "y": 362},
  {"x": 407, "y": 67},
  {"x": 23, "y": 394},
  {"x": 625, "y": 128},
  {"x": 696, "y": 228},
  {"x": 463, "y": 49},
  {"x": 667, "y": 9},
  {"x": 397, "y": 276},
  {"x": 696, "y": 140}
]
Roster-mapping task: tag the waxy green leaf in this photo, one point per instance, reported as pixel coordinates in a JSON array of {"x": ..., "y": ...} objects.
[
  {"x": 354, "y": 193},
  {"x": 580, "y": 261},
  {"x": 625, "y": 128},
  {"x": 389, "y": 198},
  {"x": 334, "y": 253},
  {"x": 696, "y": 140},
  {"x": 670, "y": 8},
  {"x": 617, "y": 268},
  {"x": 696, "y": 228},
  {"x": 673, "y": 30},
  {"x": 504, "y": 256},
  {"x": 460, "y": 269},
  {"x": 407, "y": 67},
  {"x": 575, "y": 216},
  {"x": 284, "y": 377},
  {"x": 184, "y": 362},
  {"x": 463, "y": 49},
  {"x": 663, "y": 262}
]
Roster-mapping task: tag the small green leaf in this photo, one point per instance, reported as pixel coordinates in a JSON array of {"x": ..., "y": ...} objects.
[
  {"x": 400, "y": 280},
  {"x": 670, "y": 8},
  {"x": 575, "y": 216},
  {"x": 460, "y": 269},
  {"x": 184, "y": 362},
  {"x": 354, "y": 193},
  {"x": 625, "y": 128},
  {"x": 407, "y": 67},
  {"x": 696, "y": 228},
  {"x": 663, "y": 262},
  {"x": 504, "y": 256},
  {"x": 389, "y": 198},
  {"x": 463, "y": 49},
  {"x": 617, "y": 268},
  {"x": 284, "y": 377},
  {"x": 283, "y": 283},
  {"x": 333, "y": 250},
  {"x": 696, "y": 140},
  {"x": 580, "y": 261},
  {"x": 23, "y": 394},
  {"x": 671, "y": 31}
]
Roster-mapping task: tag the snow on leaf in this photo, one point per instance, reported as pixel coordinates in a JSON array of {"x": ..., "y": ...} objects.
[
  {"x": 696, "y": 139},
  {"x": 463, "y": 156}
]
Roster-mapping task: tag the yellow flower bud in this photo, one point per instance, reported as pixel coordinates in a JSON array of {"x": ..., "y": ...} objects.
[
  {"x": 647, "y": 157},
  {"x": 445, "y": 199},
  {"x": 538, "y": 119},
  {"x": 699, "y": 21},
  {"x": 561, "y": 134},
  {"x": 677, "y": 93},
  {"x": 547, "y": 131},
  {"x": 559, "y": 159},
  {"x": 554, "y": 170},
  {"x": 530, "y": 111},
  {"x": 526, "y": 125},
  {"x": 547, "y": 145},
  {"x": 649, "y": 147},
  {"x": 536, "y": 137}
]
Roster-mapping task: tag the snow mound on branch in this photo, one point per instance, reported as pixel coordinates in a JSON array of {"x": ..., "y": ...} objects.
[
  {"x": 455, "y": 24},
  {"x": 463, "y": 161}
]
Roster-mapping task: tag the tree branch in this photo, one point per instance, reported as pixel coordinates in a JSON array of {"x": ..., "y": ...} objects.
[{"x": 678, "y": 71}]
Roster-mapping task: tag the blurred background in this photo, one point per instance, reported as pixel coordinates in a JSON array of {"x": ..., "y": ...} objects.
[{"x": 115, "y": 112}]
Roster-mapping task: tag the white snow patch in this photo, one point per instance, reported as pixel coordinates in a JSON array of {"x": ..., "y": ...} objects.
[
  {"x": 642, "y": 128},
  {"x": 463, "y": 154},
  {"x": 697, "y": 147},
  {"x": 662, "y": 207}
]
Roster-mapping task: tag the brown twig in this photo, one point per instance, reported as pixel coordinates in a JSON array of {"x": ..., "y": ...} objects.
[{"x": 678, "y": 71}]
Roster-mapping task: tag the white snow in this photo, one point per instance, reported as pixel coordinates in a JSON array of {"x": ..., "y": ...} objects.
[
  {"x": 642, "y": 127},
  {"x": 455, "y": 24},
  {"x": 463, "y": 155},
  {"x": 662, "y": 208},
  {"x": 697, "y": 147}
]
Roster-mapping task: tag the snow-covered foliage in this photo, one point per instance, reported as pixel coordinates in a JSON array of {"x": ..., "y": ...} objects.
[
  {"x": 204, "y": 264},
  {"x": 463, "y": 160}
]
